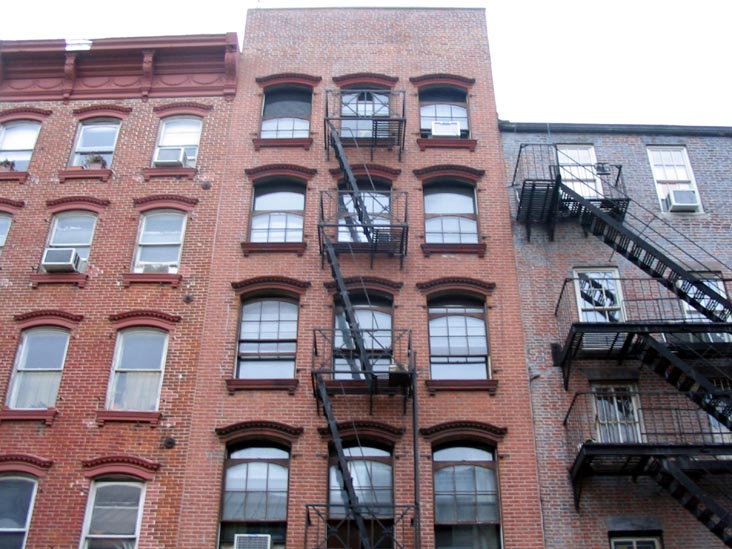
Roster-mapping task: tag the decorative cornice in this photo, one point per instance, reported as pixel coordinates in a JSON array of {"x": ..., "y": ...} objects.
[
  {"x": 259, "y": 429},
  {"x": 175, "y": 201},
  {"x": 144, "y": 317},
  {"x": 446, "y": 143},
  {"x": 121, "y": 464},
  {"x": 288, "y": 78},
  {"x": 461, "y": 430},
  {"x": 151, "y": 278},
  {"x": 443, "y": 79},
  {"x": 53, "y": 317},
  {"x": 377, "y": 170},
  {"x": 365, "y": 78},
  {"x": 94, "y": 111},
  {"x": 281, "y": 283},
  {"x": 177, "y": 173},
  {"x": 75, "y": 173},
  {"x": 186, "y": 107},
  {"x": 24, "y": 113},
  {"x": 12, "y": 175},
  {"x": 456, "y": 283},
  {"x": 77, "y": 202},
  {"x": 284, "y": 142},
  {"x": 434, "y": 248},
  {"x": 374, "y": 430},
  {"x": 280, "y": 170},
  {"x": 77, "y": 279},
  {"x": 11, "y": 206},
  {"x": 368, "y": 282},
  {"x": 449, "y": 170},
  {"x": 24, "y": 463}
]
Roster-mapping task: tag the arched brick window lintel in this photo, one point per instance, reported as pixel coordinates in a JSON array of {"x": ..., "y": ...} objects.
[
  {"x": 375, "y": 431},
  {"x": 449, "y": 170},
  {"x": 439, "y": 286},
  {"x": 11, "y": 206},
  {"x": 375, "y": 170},
  {"x": 182, "y": 109},
  {"x": 288, "y": 78},
  {"x": 48, "y": 317},
  {"x": 24, "y": 463},
  {"x": 442, "y": 79},
  {"x": 141, "y": 468},
  {"x": 171, "y": 201},
  {"x": 99, "y": 111},
  {"x": 66, "y": 203},
  {"x": 370, "y": 283},
  {"x": 259, "y": 430},
  {"x": 366, "y": 79},
  {"x": 155, "y": 319},
  {"x": 24, "y": 113},
  {"x": 461, "y": 431},
  {"x": 271, "y": 283},
  {"x": 280, "y": 170}
]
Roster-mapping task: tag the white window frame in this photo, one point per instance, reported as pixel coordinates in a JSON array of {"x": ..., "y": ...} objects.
[
  {"x": 86, "y": 535},
  {"x": 172, "y": 266},
  {"x": 80, "y": 153},
  {"x": 54, "y": 227},
  {"x": 615, "y": 424},
  {"x": 162, "y": 133},
  {"x": 4, "y": 233},
  {"x": 19, "y": 370},
  {"x": 665, "y": 185},
  {"x": 578, "y": 296},
  {"x": 114, "y": 375},
  {"x": 29, "y": 512},
  {"x": 9, "y": 153},
  {"x": 581, "y": 177},
  {"x": 634, "y": 541},
  {"x": 690, "y": 314},
  {"x": 285, "y": 127}
]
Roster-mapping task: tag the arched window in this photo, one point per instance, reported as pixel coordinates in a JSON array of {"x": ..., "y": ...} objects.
[
  {"x": 96, "y": 137},
  {"x": 38, "y": 366},
  {"x": 71, "y": 230},
  {"x": 278, "y": 212},
  {"x": 467, "y": 510},
  {"x": 137, "y": 370},
  {"x": 178, "y": 139},
  {"x": 458, "y": 339},
  {"x": 17, "y": 495},
  {"x": 255, "y": 494},
  {"x": 359, "y": 107},
  {"x": 450, "y": 213},
  {"x": 267, "y": 338},
  {"x": 376, "y": 198},
  {"x": 113, "y": 514},
  {"x": 17, "y": 140},
  {"x": 374, "y": 316},
  {"x": 160, "y": 241},
  {"x": 286, "y": 112},
  {"x": 5, "y": 221},
  {"x": 443, "y": 112}
]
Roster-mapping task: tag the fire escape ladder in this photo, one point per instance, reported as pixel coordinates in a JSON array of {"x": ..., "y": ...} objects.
[
  {"x": 688, "y": 379},
  {"x": 352, "y": 504},
  {"x": 692, "y": 497}
]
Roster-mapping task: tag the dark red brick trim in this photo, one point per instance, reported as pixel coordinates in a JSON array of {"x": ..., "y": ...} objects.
[
  {"x": 75, "y": 173},
  {"x": 45, "y": 415},
  {"x": 177, "y": 173},
  {"x": 96, "y": 111},
  {"x": 126, "y": 416},
  {"x": 273, "y": 247},
  {"x": 48, "y": 317},
  {"x": 11, "y": 206},
  {"x": 366, "y": 78},
  {"x": 278, "y": 283},
  {"x": 77, "y": 279},
  {"x": 280, "y": 170},
  {"x": 120, "y": 464},
  {"x": 144, "y": 318},
  {"x": 284, "y": 78},
  {"x": 442, "y": 79},
  {"x": 151, "y": 278},
  {"x": 462, "y": 430},
  {"x": 12, "y": 175},
  {"x": 24, "y": 113},
  {"x": 449, "y": 170},
  {"x": 259, "y": 429},
  {"x": 490, "y": 386},
  {"x": 182, "y": 108},
  {"x": 456, "y": 284},
  {"x": 77, "y": 203},
  {"x": 234, "y": 385},
  {"x": 366, "y": 430},
  {"x": 24, "y": 463},
  {"x": 295, "y": 142},
  {"x": 376, "y": 170},
  {"x": 446, "y": 143},
  {"x": 370, "y": 283},
  {"x": 477, "y": 249},
  {"x": 157, "y": 201}
]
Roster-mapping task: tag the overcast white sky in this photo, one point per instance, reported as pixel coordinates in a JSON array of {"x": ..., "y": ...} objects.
[{"x": 607, "y": 61}]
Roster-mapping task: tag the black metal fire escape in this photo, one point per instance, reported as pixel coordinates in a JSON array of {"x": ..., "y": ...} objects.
[{"x": 671, "y": 349}]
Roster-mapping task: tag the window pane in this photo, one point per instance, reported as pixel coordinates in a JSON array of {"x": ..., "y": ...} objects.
[
  {"x": 289, "y": 102},
  {"x": 35, "y": 389},
  {"x": 279, "y": 201},
  {"x": 115, "y": 510},
  {"x": 136, "y": 391},
  {"x": 181, "y": 131},
  {"x": 70, "y": 230},
  {"x": 43, "y": 349},
  {"x": 142, "y": 350},
  {"x": 98, "y": 137},
  {"x": 446, "y": 202},
  {"x": 4, "y": 229},
  {"x": 162, "y": 228},
  {"x": 15, "y": 500},
  {"x": 20, "y": 136}
]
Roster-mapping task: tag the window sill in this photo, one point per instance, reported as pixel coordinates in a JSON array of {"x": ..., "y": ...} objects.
[
  {"x": 234, "y": 385},
  {"x": 46, "y": 415},
  {"x": 124, "y": 416},
  {"x": 295, "y": 142},
  {"x": 178, "y": 173},
  {"x": 446, "y": 143},
  {"x": 77, "y": 279},
  {"x": 151, "y": 278},
  {"x": 488, "y": 385},
  {"x": 477, "y": 249},
  {"x": 20, "y": 177},
  {"x": 273, "y": 247},
  {"x": 81, "y": 173}
]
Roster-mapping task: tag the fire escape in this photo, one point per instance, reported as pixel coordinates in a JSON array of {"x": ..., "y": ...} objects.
[
  {"x": 676, "y": 322},
  {"x": 354, "y": 366}
]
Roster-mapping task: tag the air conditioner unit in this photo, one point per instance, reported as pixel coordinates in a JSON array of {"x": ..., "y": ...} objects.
[
  {"x": 682, "y": 201},
  {"x": 445, "y": 129},
  {"x": 252, "y": 541},
  {"x": 603, "y": 168},
  {"x": 60, "y": 260},
  {"x": 170, "y": 157}
]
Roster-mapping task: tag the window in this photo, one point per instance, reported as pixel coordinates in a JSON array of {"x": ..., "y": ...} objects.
[
  {"x": 672, "y": 173},
  {"x": 362, "y": 106},
  {"x": 38, "y": 365},
  {"x": 17, "y": 140},
  {"x": 286, "y": 113},
  {"x": 720, "y": 433},
  {"x": 376, "y": 198},
  {"x": 599, "y": 298},
  {"x": 17, "y": 495},
  {"x": 449, "y": 212},
  {"x": 635, "y": 543},
  {"x": 443, "y": 112},
  {"x": 255, "y": 494},
  {"x": 373, "y": 314},
  {"x": 73, "y": 230},
  {"x": 458, "y": 339},
  {"x": 577, "y": 168},
  {"x": 113, "y": 515},
  {"x": 267, "y": 339},
  {"x": 160, "y": 241},
  {"x": 95, "y": 138},
  {"x": 691, "y": 314},
  {"x": 137, "y": 371},
  {"x": 466, "y": 498},
  {"x": 178, "y": 141},
  {"x": 278, "y": 212},
  {"x": 616, "y": 414},
  {"x": 5, "y": 221}
]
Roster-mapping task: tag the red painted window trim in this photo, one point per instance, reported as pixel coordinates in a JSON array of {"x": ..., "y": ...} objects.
[
  {"x": 288, "y": 78},
  {"x": 68, "y": 203},
  {"x": 148, "y": 317},
  {"x": 74, "y": 173},
  {"x": 128, "y": 416},
  {"x": 259, "y": 430},
  {"x": 490, "y": 386},
  {"x": 446, "y": 143},
  {"x": 370, "y": 283},
  {"x": 12, "y": 175},
  {"x": 456, "y": 284},
  {"x": 295, "y": 143},
  {"x": 24, "y": 463},
  {"x": 11, "y": 206},
  {"x": 273, "y": 247},
  {"x": 366, "y": 79},
  {"x": 24, "y": 113},
  {"x": 151, "y": 278},
  {"x": 235, "y": 384},
  {"x": 183, "y": 109},
  {"x": 442, "y": 79},
  {"x": 165, "y": 201},
  {"x": 45, "y": 415},
  {"x": 280, "y": 170},
  {"x": 177, "y": 173},
  {"x": 449, "y": 170},
  {"x": 120, "y": 465},
  {"x": 455, "y": 431},
  {"x": 375, "y": 170},
  {"x": 48, "y": 317},
  {"x": 271, "y": 283},
  {"x": 102, "y": 111},
  {"x": 376, "y": 431},
  {"x": 77, "y": 279},
  {"x": 434, "y": 248}
]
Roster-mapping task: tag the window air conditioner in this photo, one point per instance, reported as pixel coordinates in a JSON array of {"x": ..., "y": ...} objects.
[
  {"x": 603, "y": 168},
  {"x": 682, "y": 201},
  {"x": 445, "y": 129},
  {"x": 170, "y": 157},
  {"x": 60, "y": 260},
  {"x": 252, "y": 541}
]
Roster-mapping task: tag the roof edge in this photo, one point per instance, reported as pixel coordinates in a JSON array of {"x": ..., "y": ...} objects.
[{"x": 507, "y": 126}]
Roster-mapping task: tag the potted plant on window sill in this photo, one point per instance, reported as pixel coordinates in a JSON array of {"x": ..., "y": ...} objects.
[
  {"x": 95, "y": 162},
  {"x": 7, "y": 165}
]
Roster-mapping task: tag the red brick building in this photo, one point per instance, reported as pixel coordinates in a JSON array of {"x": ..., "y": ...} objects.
[{"x": 285, "y": 308}]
